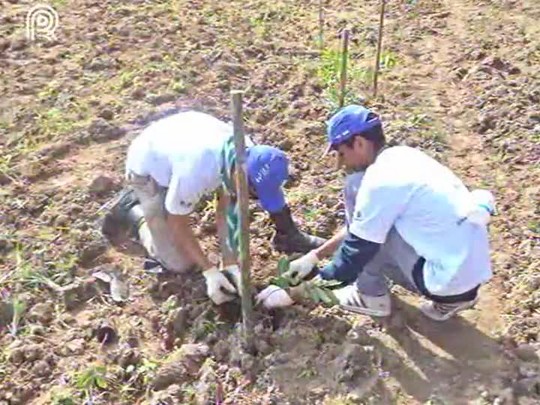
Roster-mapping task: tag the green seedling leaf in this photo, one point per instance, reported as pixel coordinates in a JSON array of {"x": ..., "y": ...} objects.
[
  {"x": 324, "y": 297},
  {"x": 101, "y": 382},
  {"x": 313, "y": 295},
  {"x": 332, "y": 297},
  {"x": 283, "y": 266},
  {"x": 281, "y": 282}
]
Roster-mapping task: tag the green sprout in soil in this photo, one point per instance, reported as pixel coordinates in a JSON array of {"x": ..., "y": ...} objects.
[
  {"x": 18, "y": 310},
  {"x": 63, "y": 397},
  {"x": 91, "y": 379},
  {"x": 328, "y": 73}
]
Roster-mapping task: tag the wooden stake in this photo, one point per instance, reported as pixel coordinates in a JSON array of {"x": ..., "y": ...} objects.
[
  {"x": 343, "y": 66},
  {"x": 379, "y": 46},
  {"x": 343, "y": 78},
  {"x": 243, "y": 201},
  {"x": 321, "y": 25}
]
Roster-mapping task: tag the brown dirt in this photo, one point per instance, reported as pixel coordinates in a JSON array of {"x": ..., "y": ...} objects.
[{"x": 462, "y": 83}]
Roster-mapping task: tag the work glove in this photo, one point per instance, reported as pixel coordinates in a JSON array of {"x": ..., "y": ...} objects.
[
  {"x": 218, "y": 288},
  {"x": 274, "y": 297},
  {"x": 234, "y": 272},
  {"x": 300, "y": 268}
]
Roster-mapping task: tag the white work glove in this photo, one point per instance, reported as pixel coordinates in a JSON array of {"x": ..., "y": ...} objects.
[
  {"x": 484, "y": 207},
  {"x": 215, "y": 283},
  {"x": 301, "y": 267},
  {"x": 274, "y": 297},
  {"x": 234, "y": 272}
]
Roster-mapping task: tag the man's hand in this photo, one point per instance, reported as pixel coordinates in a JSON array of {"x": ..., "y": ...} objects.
[
  {"x": 236, "y": 276},
  {"x": 274, "y": 297},
  {"x": 216, "y": 283},
  {"x": 300, "y": 268}
]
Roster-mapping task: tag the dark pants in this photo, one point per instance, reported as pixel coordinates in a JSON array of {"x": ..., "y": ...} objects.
[{"x": 396, "y": 260}]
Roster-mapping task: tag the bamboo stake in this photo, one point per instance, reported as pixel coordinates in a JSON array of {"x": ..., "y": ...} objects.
[
  {"x": 379, "y": 46},
  {"x": 243, "y": 201},
  {"x": 343, "y": 78},
  {"x": 321, "y": 25},
  {"x": 343, "y": 66}
]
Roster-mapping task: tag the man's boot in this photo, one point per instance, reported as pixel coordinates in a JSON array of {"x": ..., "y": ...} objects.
[
  {"x": 123, "y": 218},
  {"x": 288, "y": 238}
]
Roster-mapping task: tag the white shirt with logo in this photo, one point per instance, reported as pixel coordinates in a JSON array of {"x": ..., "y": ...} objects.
[
  {"x": 406, "y": 189},
  {"x": 182, "y": 152}
]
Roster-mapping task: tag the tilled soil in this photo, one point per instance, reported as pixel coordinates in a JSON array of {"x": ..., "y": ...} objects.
[{"x": 460, "y": 80}]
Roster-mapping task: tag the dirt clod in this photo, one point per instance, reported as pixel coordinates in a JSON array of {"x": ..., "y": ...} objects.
[
  {"x": 79, "y": 292},
  {"x": 73, "y": 347},
  {"x": 101, "y": 185},
  {"x": 129, "y": 357},
  {"x": 41, "y": 368},
  {"x": 101, "y": 130},
  {"x": 160, "y": 99},
  {"x": 16, "y": 356},
  {"x": 42, "y": 312},
  {"x": 106, "y": 114},
  {"x": 181, "y": 366},
  {"x": 528, "y": 352}
]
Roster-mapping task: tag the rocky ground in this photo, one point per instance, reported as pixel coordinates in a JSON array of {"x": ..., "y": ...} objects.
[{"x": 460, "y": 80}]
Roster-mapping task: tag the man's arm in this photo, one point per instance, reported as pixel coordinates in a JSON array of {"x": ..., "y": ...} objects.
[
  {"x": 303, "y": 266},
  {"x": 353, "y": 255},
  {"x": 186, "y": 241},
  {"x": 331, "y": 245},
  {"x": 228, "y": 257}
]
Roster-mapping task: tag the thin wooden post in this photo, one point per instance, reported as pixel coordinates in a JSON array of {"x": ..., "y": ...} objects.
[
  {"x": 379, "y": 46},
  {"x": 243, "y": 201},
  {"x": 343, "y": 78},
  {"x": 343, "y": 66},
  {"x": 321, "y": 26}
]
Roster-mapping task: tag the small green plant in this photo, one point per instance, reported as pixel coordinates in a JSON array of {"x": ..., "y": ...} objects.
[
  {"x": 328, "y": 73},
  {"x": 63, "y": 397},
  {"x": 308, "y": 372},
  {"x": 19, "y": 307},
  {"x": 91, "y": 379},
  {"x": 388, "y": 60},
  {"x": 147, "y": 370},
  {"x": 317, "y": 290}
]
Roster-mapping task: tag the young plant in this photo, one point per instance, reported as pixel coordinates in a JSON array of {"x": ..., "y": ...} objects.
[
  {"x": 18, "y": 310},
  {"x": 91, "y": 379},
  {"x": 317, "y": 290}
]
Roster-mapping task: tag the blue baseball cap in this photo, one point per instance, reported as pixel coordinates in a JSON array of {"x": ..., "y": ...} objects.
[
  {"x": 348, "y": 122},
  {"x": 268, "y": 169}
]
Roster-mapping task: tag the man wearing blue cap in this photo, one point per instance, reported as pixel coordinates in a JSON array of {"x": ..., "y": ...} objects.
[
  {"x": 409, "y": 219},
  {"x": 170, "y": 166}
]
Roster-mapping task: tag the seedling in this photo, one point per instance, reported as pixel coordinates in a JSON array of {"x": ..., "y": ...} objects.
[
  {"x": 317, "y": 290},
  {"x": 18, "y": 310},
  {"x": 91, "y": 379},
  {"x": 63, "y": 397}
]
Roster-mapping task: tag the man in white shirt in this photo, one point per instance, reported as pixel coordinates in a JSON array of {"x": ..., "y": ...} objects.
[
  {"x": 170, "y": 166},
  {"x": 409, "y": 219}
]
